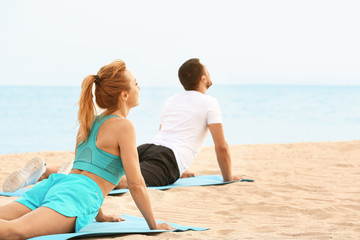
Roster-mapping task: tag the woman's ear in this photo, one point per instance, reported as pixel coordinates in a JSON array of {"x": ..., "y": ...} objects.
[{"x": 124, "y": 96}]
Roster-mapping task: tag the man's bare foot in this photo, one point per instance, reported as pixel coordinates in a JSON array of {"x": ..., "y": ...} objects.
[
  {"x": 233, "y": 178},
  {"x": 237, "y": 178},
  {"x": 187, "y": 174}
]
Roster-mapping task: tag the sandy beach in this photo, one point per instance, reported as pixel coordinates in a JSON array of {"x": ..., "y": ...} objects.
[{"x": 301, "y": 191}]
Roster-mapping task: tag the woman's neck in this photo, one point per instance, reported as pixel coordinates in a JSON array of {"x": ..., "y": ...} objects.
[{"x": 119, "y": 112}]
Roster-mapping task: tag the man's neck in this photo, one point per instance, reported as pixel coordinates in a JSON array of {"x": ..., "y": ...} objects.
[{"x": 201, "y": 89}]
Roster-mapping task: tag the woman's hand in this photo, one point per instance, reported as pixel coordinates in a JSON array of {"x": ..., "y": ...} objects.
[
  {"x": 164, "y": 226},
  {"x": 135, "y": 181}
]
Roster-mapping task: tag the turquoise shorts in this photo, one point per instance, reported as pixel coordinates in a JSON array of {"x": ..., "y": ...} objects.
[{"x": 71, "y": 195}]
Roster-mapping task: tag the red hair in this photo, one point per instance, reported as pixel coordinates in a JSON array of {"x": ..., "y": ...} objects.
[{"x": 110, "y": 82}]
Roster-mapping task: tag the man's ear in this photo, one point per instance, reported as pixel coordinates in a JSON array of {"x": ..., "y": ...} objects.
[{"x": 203, "y": 78}]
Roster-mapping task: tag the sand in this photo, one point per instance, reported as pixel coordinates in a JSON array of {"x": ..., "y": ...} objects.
[{"x": 301, "y": 191}]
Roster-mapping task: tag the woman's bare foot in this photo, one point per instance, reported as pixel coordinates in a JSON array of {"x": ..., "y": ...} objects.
[
  {"x": 25, "y": 176},
  {"x": 187, "y": 174}
]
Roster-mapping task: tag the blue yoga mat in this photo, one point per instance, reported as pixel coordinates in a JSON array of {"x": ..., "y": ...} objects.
[
  {"x": 204, "y": 180},
  {"x": 131, "y": 225},
  {"x": 17, "y": 193}
]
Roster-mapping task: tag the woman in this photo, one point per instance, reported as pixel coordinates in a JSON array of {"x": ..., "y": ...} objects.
[{"x": 106, "y": 150}]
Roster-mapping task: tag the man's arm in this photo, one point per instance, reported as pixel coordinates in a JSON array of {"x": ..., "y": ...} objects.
[{"x": 222, "y": 151}]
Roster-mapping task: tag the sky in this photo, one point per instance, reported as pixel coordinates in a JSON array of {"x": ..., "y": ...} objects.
[{"x": 59, "y": 42}]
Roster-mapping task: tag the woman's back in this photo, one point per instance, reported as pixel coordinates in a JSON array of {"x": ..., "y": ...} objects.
[{"x": 103, "y": 161}]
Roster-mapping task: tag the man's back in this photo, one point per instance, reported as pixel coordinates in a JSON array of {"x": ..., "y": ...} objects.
[{"x": 184, "y": 123}]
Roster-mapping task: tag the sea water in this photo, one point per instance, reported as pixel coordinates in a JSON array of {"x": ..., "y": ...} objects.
[{"x": 34, "y": 118}]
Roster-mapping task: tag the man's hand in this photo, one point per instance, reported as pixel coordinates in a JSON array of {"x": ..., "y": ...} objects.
[{"x": 109, "y": 218}]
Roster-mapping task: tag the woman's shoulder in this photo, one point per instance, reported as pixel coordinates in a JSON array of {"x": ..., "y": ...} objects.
[{"x": 120, "y": 124}]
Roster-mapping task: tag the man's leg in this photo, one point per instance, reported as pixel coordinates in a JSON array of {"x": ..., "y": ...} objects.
[
  {"x": 158, "y": 166},
  {"x": 153, "y": 173}
]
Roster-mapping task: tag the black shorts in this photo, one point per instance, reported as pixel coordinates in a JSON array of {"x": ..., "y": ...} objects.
[{"x": 158, "y": 165}]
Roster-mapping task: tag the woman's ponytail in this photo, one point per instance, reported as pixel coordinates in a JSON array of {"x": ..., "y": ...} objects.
[
  {"x": 87, "y": 110},
  {"x": 110, "y": 81}
]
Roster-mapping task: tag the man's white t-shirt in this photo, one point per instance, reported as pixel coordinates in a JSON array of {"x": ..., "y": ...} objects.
[{"x": 184, "y": 125}]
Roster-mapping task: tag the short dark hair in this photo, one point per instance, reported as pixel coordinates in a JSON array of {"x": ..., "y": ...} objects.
[{"x": 190, "y": 73}]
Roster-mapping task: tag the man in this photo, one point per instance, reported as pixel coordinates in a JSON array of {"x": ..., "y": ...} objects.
[{"x": 185, "y": 121}]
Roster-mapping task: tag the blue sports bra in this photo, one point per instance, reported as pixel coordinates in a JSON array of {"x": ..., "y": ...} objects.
[{"x": 92, "y": 159}]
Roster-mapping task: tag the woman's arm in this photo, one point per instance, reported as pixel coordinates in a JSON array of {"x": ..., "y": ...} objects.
[{"x": 137, "y": 187}]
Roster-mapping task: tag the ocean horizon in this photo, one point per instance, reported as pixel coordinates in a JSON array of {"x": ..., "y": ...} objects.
[{"x": 43, "y": 118}]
